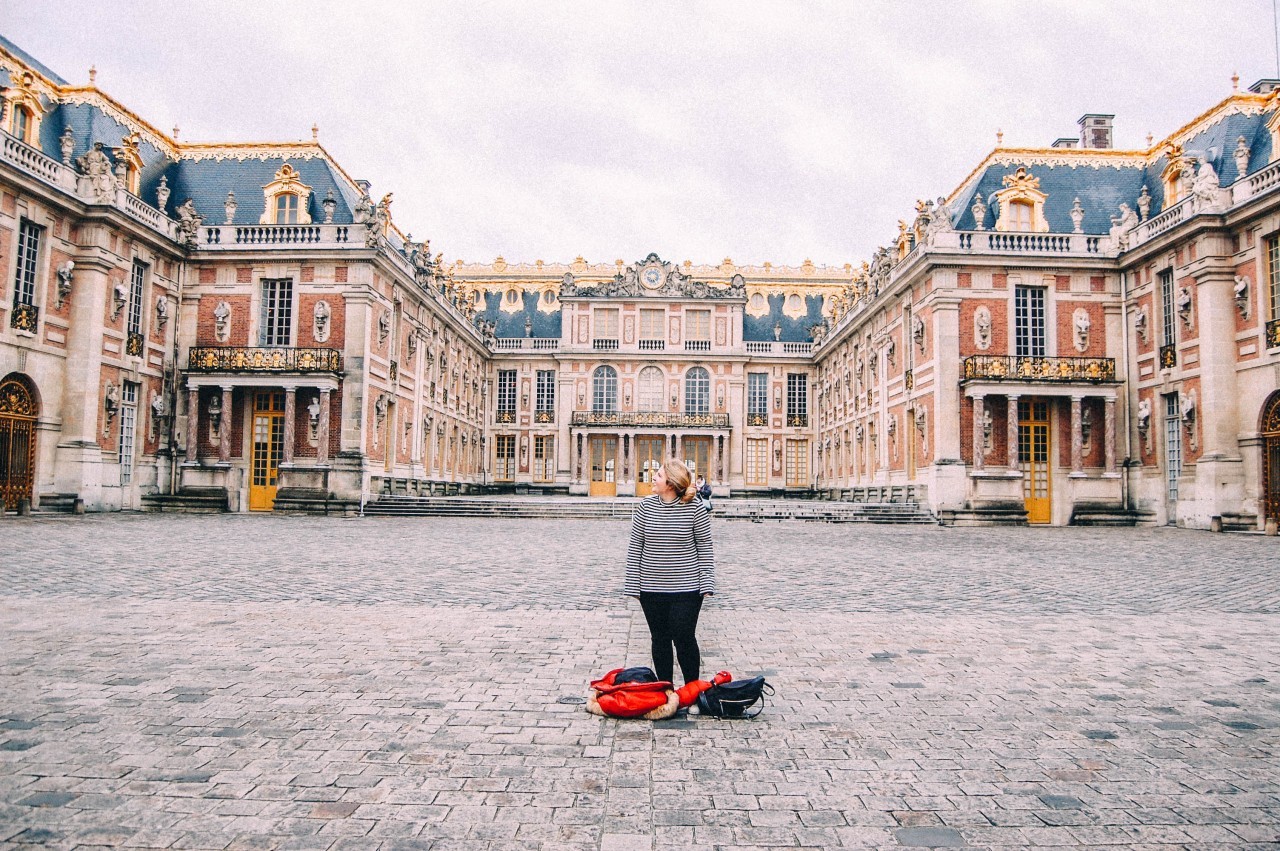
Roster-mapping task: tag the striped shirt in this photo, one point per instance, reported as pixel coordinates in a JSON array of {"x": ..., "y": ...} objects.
[{"x": 670, "y": 549}]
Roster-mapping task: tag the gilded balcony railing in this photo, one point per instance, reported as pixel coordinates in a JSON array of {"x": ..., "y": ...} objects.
[
  {"x": 544, "y": 416},
  {"x": 25, "y": 317},
  {"x": 133, "y": 344},
  {"x": 263, "y": 359},
  {"x": 1273, "y": 333},
  {"x": 757, "y": 419},
  {"x": 1015, "y": 368},
  {"x": 504, "y": 417},
  {"x": 797, "y": 420},
  {"x": 650, "y": 419}
]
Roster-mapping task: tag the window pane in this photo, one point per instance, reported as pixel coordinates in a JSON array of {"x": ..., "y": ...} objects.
[
  {"x": 24, "y": 277},
  {"x": 1029, "y": 330},
  {"x": 1167, "y": 326},
  {"x": 697, "y": 391},
  {"x": 135, "y": 297},
  {"x": 650, "y": 390},
  {"x": 277, "y": 311},
  {"x": 757, "y": 394},
  {"x": 604, "y": 390},
  {"x": 506, "y": 391}
]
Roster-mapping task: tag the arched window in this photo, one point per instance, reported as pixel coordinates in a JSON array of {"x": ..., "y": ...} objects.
[
  {"x": 651, "y": 386},
  {"x": 604, "y": 390},
  {"x": 697, "y": 391},
  {"x": 286, "y": 199}
]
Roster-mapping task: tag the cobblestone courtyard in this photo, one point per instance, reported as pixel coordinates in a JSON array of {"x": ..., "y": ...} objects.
[{"x": 258, "y": 682}]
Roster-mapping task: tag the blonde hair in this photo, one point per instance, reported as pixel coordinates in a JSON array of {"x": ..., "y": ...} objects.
[{"x": 679, "y": 478}]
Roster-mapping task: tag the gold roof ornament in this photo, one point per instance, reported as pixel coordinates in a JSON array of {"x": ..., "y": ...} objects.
[{"x": 1022, "y": 180}]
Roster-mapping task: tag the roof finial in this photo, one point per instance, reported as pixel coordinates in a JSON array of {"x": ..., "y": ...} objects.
[
  {"x": 1150, "y": 139},
  {"x": 176, "y": 131},
  {"x": 93, "y": 75},
  {"x": 999, "y": 137},
  {"x": 315, "y": 132},
  {"x": 1235, "y": 82}
]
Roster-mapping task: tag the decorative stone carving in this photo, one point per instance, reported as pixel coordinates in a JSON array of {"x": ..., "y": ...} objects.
[
  {"x": 1184, "y": 305},
  {"x": 1242, "y": 294},
  {"x": 1206, "y": 187},
  {"x": 384, "y": 326},
  {"x": 1144, "y": 423},
  {"x": 979, "y": 212},
  {"x": 1144, "y": 204},
  {"x": 777, "y": 331},
  {"x": 162, "y": 193},
  {"x": 1241, "y": 156},
  {"x": 99, "y": 182},
  {"x": 222, "y": 322},
  {"x": 215, "y": 418},
  {"x": 1077, "y": 217},
  {"x": 921, "y": 422},
  {"x": 321, "y": 317},
  {"x": 162, "y": 312},
  {"x": 364, "y": 207},
  {"x": 1080, "y": 324},
  {"x": 987, "y": 425},
  {"x": 1086, "y": 428},
  {"x": 1121, "y": 226},
  {"x": 189, "y": 222},
  {"x": 917, "y": 331},
  {"x": 1187, "y": 404},
  {"x": 229, "y": 207},
  {"x": 159, "y": 415},
  {"x": 982, "y": 327},
  {"x": 329, "y": 204},
  {"x": 110, "y": 406},
  {"x": 119, "y": 297},
  {"x": 412, "y": 343},
  {"x": 380, "y": 406},
  {"x": 67, "y": 142},
  {"x": 858, "y": 432},
  {"x": 1141, "y": 325},
  {"x": 64, "y": 282},
  {"x": 313, "y": 419},
  {"x": 891, "y": 351}
]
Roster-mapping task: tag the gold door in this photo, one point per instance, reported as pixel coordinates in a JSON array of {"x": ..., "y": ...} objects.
[
  {"x": 17, "y": 443},
  {"x": 267, "y": 450},
  {"x": 604, "y": 466},
  {"x": 648, "y": 460},
  {"x": 1271, "y": 459},
  {"x": 1033, "y": 458},
  {"x": 697, "y": 456}
]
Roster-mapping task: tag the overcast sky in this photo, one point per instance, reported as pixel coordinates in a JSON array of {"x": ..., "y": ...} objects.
[{"x": 699, "y": 130}]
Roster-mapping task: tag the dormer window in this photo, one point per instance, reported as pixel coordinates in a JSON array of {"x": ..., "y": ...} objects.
[
  {"x": 23, "y": 108},
  {"x": 22, "y": 124},
  {"x": 129, "y": 156},
  {"x": 1021, "y": 204},
  {"x": 286, "y": 199}
]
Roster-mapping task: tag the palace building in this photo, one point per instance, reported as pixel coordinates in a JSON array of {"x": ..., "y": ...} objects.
[{"x": 1074, "y": 334}]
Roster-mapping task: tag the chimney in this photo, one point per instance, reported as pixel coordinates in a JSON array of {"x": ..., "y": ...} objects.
[
  {"x": 1066, "y": 142},
  {"x": 1265, "y": 86},
  {"x": 1095, "y": 131}
]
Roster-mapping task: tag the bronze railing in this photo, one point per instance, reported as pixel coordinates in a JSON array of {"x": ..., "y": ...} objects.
[
  {"x": 757, "y": 419},
  {"x": 263, "y": 359},
  {"x": 648, "y": 419},
  {"x": 1273, "y": 333},
  {"x": 25, "y": 317},
  {"x": 544, "y": 416},
  {"x": 504, "y": 417},
  {"x": 1015, "y": 368},
  {"x": 797, "y": 420}
]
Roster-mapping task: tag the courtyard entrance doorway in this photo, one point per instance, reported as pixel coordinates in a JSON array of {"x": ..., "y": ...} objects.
[
  {"x": 1033, "y": 458},
  {"x": 17, "y": 442},
  {"x": 604, "y": 463},
  {"x": 648, "y": 459},
  {"x": 267, "y": 449},
  {"x": 1271, "y": 458},
  {"x": 697, "y": 456}
]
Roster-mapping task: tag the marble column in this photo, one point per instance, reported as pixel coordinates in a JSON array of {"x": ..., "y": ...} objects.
[
  {"x": 322, "y": 429},
  {"x": 290, "y": 413},
  {"x": 193, "y": 424},
  {"x": 1109, "y": 434},
  {"x": 224, "y": 445},
  {"x": 1011, "y": 433},
  {"x": 1077, "y": 437},
  {"x": 979, "y": 440}
]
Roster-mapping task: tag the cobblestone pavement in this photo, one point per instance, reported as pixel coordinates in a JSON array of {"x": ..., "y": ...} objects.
[{"x": 252, "y": 682}]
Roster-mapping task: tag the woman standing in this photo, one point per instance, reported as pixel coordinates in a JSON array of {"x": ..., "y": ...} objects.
[{"x": 670, "y": 568}]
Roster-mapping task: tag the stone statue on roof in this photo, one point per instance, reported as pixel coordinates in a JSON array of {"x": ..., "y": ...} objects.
[
  {"x": 95, "y": 165},
  {"x": 1121, "y": 225},
  {"x": 1206, "y": 186}
]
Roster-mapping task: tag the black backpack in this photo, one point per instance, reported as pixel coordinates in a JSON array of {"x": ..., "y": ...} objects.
[{"x": 734, "y": 698}]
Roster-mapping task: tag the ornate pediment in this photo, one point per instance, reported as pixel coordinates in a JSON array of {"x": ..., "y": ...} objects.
[{"x": 653, "y": 277}]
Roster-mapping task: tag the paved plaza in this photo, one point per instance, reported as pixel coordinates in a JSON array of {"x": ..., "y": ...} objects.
[{"x": 274, "y": 682}]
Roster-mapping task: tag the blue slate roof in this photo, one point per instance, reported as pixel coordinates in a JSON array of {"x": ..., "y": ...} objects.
[
  {"x": 510, "y": 325},
  {"x": 29, "y": 60},
  {"x": 1102, "y": 189},
  {"x": 760, "y": 328},
  {"x": 207, "y": 182}
]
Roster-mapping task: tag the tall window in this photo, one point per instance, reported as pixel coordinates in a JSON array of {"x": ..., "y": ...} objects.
[
  {"x": 797, "y": 399},
  {"x": 506, "y": 396},
  {"x": 135, "y": 297},
  {"x": 1167, "y": 326},
  {"x": 697, "y": 330},
  {"x": 697, "y": 391},
  {"x": 286, "y": 209},
  {"x": 757, "y": 461},
  {"x": 544, "y": 447},
  {"x": 128, "y": 429},
  {"x": 1173, "y": 444},
  {"x": 797, "y": 463},
  {"x": 604, "y": 390},
  {"x": 604, "y": 328},
  {"x": 504, "y": 457},
  {"x": 1273, "y": 275},
  {"x": 757, "y": 398},
  {"x": 1019, "y": 216},
  {"x": 1028, "y": 322},
  {"x": 24, "y": 278},
  {"x": 277, "y": 311},
  {"x": 651, "y": 385},
  {"x": 653, "y": 333},
  {"x": 545, "y": 398}
]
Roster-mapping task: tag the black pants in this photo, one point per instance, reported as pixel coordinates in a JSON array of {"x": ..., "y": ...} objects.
[{"x": 673, "y": 619}]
